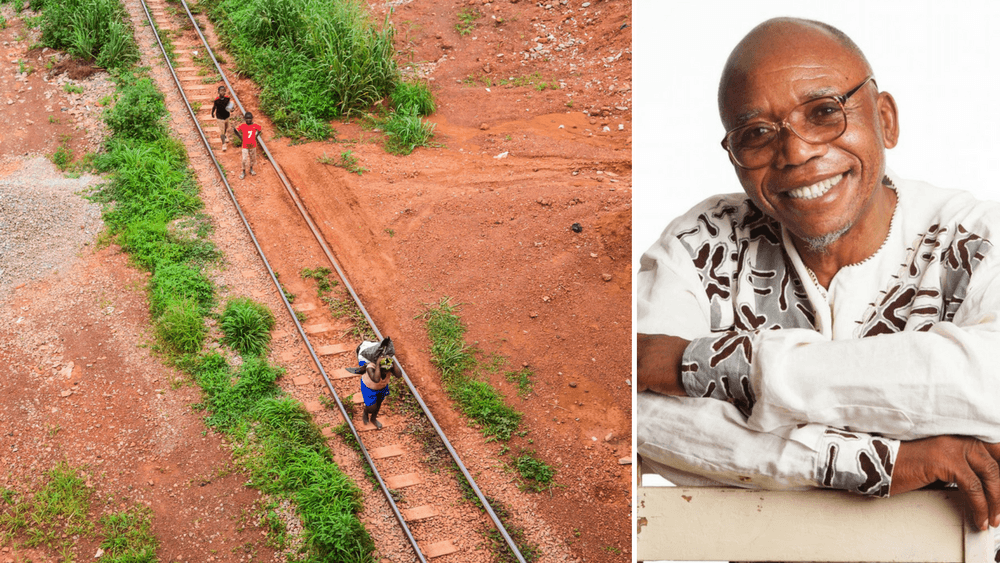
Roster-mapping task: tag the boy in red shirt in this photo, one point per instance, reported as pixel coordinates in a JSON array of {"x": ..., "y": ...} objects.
[{"x": 249, "y": 132}]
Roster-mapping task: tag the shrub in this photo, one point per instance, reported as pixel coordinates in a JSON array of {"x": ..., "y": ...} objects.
[
  {"x": 93, "y": 30},
  {"x": 405, "y": 131},
  {"x": 181, "y": 325},
  {"x": 247, "y": 326},
  {"x": 139, "y": 111},
  {"x": 413, "y": 96},
  {"x": 315, "y": 59},
  {"x": 172, "y": 281}
]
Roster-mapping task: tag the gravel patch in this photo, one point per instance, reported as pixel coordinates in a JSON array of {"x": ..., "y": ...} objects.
[{"x": 44, "y": 220}]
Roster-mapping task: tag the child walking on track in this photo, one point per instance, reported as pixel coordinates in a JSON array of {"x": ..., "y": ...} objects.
[
  {"x": 376, "y": 365},
  {"x": 249, "y": 132},
  {"x": 220, "y": 110}
]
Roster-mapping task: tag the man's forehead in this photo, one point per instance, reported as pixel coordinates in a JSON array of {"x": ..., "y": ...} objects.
[{"x": 797, "y": 58}]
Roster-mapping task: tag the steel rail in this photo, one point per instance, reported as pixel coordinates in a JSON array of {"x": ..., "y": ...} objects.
[
  {"x": 322, "y": 242},
  {"x": 277, "y": 284}
]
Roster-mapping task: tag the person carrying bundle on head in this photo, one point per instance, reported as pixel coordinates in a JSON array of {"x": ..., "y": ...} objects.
[{"x": 375, "y": 364}]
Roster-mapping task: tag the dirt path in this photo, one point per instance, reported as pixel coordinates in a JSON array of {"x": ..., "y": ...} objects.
[{"x": 492, "y": 233}]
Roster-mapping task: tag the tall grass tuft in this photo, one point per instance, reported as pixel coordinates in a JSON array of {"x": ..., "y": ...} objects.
[
  {"x": 182, "y": 325},
  {"x": 247, "y": 326},
  {"x": 313, "y": 59},
  {"x": 413, "y": 96},
  {"x": 92, "y": 30},
  {"x": 405, "y": 131}
]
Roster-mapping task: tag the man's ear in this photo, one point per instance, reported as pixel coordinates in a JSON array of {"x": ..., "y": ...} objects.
[{"x": 889, "y": 117}]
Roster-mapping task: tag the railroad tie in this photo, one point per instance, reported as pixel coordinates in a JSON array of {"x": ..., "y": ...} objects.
[
  {"x": 334, "y": 349},
  {"x": 317, "y": 328},
  {"x": 419, "y": 513},
  {"x": 438, "y": 549},
  {"x": 343, "y": 374},
  {"x": 386, "y": 451},
  {"x": 403, "y": 480}
]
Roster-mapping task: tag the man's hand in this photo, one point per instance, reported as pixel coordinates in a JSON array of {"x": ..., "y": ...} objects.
[
  {"x": 658, "y": 363},
  {"x": 965, "y": 461}
]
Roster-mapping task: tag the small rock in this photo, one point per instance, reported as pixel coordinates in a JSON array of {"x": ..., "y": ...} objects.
[
  {"x": 483, "y": 126},
  {"x": 585, "y": 5},
  {"x": 572, "y": 384},
  {"x": 625, "y": 461},
  {"x": 99, "y": 553},
  {"x": 502, "y": 155},
  {"x": 65, "y": 393},
  {"x": 606, "y": 129},
  {"x": 628, "y": 382},
  {"x": 606, "y": 277},
  {"x": 609, "y": 436},
  {"x": 546, "y": 298},
  {"x": 533, "y": 314},
  {"x": 576, "y": 228},
  {"x": 621, "y": 126}
]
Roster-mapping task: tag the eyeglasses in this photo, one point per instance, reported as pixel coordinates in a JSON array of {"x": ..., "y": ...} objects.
[{"x": 816, "y": 122}]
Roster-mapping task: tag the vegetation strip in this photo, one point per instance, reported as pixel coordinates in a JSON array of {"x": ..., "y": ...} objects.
[
  {"x": 151, "y": 208},
  {"x": 316, "y": 60},
  {"x": 56, "y": 513}
]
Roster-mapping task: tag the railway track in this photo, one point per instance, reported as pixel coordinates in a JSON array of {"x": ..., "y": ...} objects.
[{"x": 328, "y": 349}]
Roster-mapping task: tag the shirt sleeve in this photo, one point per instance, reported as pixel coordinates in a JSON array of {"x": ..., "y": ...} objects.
[
  {"x": 907, "y": 385},
  {"x": 712, "y": 438}
]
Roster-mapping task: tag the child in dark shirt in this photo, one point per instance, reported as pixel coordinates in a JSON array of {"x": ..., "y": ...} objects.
[{"x": 220, "y": 110}]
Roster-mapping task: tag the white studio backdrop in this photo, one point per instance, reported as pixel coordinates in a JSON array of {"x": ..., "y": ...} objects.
[{"x": 938, "y": 59}]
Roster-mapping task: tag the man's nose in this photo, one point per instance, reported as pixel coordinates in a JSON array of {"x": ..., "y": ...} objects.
[{"x": 793, "y": 150}]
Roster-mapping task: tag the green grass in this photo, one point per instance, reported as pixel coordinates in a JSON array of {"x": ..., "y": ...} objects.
[
  {"x": 314, "y": 60},
  {"x": 477, "y": 399},
  {"x": 247, "y": 326},
  {"x": 129, "y": 537},
  {"x": 347, "y": 161},
  {"x": 182, "y": 325},
  {"x": 523, "y": 380},
  {"x": 413, "y": 96},
  {"x": 63, "y": 157},
  {"x": 343, "y": 306},
  {"x": 92, "y": 30},
  {"x": 467, "y": 21},
  {"x": 535, "y": 474},
  {"x": 405, "y": 131},
  {"x": 324, "y": 284}
]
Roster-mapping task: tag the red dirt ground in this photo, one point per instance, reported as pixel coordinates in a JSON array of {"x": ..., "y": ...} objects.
[{"x": 494, "y": 234}]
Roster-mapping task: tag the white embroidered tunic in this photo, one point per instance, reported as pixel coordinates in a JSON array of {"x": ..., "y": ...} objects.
[{"x": 792, "y": 386}]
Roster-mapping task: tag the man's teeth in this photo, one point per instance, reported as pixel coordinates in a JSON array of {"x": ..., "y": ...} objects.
[{"x": 815, "y": 190}]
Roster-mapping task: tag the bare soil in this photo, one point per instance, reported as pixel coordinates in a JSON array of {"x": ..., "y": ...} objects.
[{"x": 484, "y": 217}]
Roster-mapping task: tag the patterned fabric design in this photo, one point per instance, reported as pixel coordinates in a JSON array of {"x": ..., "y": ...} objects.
[
  {"x": 739, "y": 257},
  {"x": 931, "y": 285},
  {"x": 730, "y": 355},
  {"x": 856, "y": 462}
]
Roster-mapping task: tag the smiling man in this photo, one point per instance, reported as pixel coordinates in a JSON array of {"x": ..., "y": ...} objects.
[{"x": 835, "y": 326}]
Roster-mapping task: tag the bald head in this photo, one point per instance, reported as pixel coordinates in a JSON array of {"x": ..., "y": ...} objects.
[{"x": 785, "y": 41}]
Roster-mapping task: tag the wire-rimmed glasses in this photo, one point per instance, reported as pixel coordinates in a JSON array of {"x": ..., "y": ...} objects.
[{"x": 817, "y": 121}]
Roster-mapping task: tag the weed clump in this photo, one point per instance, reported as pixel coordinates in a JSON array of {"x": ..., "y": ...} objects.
[
  {"x": 405, "y": 131},
  {"x": 247, "y": 326},
  {"x": 182, "y": 325},
  {"x": 413, "y": 96}
]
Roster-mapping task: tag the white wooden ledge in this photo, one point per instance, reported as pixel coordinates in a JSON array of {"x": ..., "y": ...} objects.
[{"x": 675, "y": 523}]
